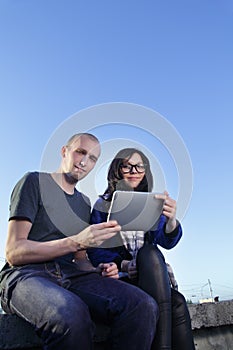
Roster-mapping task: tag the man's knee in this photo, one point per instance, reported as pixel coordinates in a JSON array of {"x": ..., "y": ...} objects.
[
  {"x": 149, "y": 308},
  {"x": 73, "y": 318}
]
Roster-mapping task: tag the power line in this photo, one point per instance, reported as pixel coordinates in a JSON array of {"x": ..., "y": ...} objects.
[{"x": 197, "y": 291}]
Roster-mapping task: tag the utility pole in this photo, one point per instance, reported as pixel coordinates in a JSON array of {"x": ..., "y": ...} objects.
[{"x": 211, "y": 290}]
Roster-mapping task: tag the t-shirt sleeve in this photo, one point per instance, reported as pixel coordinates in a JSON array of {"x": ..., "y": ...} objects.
[{"x": 24, "y": 199}]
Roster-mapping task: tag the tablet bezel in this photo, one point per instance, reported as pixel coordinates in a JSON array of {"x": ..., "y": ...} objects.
[{"x": 135, "y": 211}]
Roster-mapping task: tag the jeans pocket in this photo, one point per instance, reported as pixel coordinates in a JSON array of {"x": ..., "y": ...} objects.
[
  {"x": 4, "y": 300},
  {"x": 53, "y": 270}
]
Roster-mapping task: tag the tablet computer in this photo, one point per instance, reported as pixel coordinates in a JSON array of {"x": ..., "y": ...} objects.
[{"x": 135, "y": 211}]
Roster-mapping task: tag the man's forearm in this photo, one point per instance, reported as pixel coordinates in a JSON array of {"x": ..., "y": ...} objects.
[{"x": 26, "y": 251}]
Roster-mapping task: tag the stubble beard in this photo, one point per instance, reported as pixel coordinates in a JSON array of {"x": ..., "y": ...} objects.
[{"x": 71, "y": 179}]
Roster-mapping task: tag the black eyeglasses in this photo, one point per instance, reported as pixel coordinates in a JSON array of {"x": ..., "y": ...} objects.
[{"x": 127, "y": 168}]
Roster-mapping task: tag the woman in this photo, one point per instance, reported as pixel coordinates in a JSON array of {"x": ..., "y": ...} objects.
[{"x": 138, "y": 258}]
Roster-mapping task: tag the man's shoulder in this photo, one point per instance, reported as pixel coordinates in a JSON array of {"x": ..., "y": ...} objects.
[
  {"x": 31, "y": 178},
  {"x": 83, "y": 196},
  {"x": 28, "y": 177},
  {"x": 34, "y": 176}
]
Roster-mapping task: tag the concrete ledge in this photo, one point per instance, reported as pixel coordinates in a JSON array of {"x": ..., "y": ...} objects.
[
  {"x": 215, "y": 338},
  {"x": 211, "y": 314},
  {"x": 212, "y": 325},
  {"x": 15, "y": 333}
]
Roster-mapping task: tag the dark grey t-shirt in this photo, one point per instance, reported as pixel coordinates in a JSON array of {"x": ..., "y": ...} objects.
[{"x": 53, "y": 213}]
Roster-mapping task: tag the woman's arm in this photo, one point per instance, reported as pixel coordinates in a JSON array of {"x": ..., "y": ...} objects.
[
  {"x": 164, "y": 239},
  {"x": 169, "y": 230}
]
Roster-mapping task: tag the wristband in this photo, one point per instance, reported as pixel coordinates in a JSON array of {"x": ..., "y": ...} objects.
[
  {"x": 80, "y": 248},
  {"x": 124, "y": 265}
]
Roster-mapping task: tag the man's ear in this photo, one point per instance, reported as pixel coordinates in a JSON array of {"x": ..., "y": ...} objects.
[{"x": 63, "y": 151}]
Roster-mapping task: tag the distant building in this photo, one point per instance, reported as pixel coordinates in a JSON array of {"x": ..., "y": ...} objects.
[{"x": 206, "y": 300}]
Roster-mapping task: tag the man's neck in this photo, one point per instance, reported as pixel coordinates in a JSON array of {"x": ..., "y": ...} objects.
[{"x": 65, "y": 181}]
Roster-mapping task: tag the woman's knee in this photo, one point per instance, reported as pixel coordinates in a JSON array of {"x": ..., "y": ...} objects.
[
  {"x": 178, "y": 299},
  {"x": 153, "y": 257},
  {"x": 179, "y": 305}
]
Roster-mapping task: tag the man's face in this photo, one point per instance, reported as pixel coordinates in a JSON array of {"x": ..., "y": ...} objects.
[{"x": 80, "y": 157}]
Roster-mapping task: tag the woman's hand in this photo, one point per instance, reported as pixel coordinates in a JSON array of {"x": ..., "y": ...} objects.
[
  {"x": 130, "y": 267},
  {"x": 108, "y": 270},
  {"x": 169, "y": 210}
]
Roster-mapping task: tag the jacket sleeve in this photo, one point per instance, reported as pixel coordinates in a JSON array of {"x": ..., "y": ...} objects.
[
  {"x": 104, "y": 255},
  {"x": 99, "y": 212},
  {"x": 166, "y": 240}
]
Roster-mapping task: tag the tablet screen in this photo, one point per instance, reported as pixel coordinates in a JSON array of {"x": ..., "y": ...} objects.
[{"x": 135, "y": 211}]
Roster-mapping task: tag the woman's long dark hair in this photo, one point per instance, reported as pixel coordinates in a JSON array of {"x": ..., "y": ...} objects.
[{"x": 115, "y": 177}]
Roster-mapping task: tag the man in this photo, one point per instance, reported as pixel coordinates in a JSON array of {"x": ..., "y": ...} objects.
[{"x": 43, "y": 283}]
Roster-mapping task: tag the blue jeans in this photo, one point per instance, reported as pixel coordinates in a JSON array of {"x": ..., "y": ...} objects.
[{"x": 61, "y": 302}]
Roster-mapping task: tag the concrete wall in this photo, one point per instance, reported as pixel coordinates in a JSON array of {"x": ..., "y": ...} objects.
[{"x": 212, "y": 325}]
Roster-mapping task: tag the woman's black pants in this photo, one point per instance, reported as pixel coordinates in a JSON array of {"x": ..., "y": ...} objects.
[{"x": 174, "y": 326}]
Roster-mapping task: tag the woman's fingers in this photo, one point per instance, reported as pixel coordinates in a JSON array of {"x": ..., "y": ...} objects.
[{"x": 108, "y": 270}]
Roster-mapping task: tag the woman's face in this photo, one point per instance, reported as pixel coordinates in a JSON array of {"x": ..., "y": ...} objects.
[{"x": 133, "y": 170}]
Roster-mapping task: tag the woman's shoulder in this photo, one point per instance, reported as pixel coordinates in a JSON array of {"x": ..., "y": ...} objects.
[
  {"x": 103, "y": 199},
  {"x": 100, "y": 203}
]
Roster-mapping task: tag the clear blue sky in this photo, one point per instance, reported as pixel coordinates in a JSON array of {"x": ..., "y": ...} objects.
[{"x": 175, "y": 57}]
